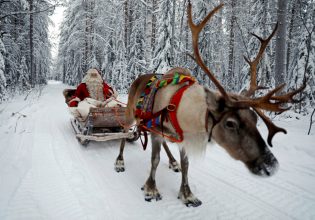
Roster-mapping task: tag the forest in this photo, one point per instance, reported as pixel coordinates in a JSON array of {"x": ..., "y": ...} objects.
[
  {"x": 127, "y": 38},
  {"x": 55, "y": 166}
]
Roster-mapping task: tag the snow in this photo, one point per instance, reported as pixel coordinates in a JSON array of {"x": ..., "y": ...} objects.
[{"x": 46, "y": 174}]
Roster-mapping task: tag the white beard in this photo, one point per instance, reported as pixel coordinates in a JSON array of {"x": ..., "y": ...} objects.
[{"x": 95, "y": 88}]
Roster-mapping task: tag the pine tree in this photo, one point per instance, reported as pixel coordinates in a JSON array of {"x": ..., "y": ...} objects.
[
  {"x": 25, "y": 42},
  {"x": 23, "y": 81},
  {"x": 163, "y": 60},
  {"x": 136, "y": 61}
]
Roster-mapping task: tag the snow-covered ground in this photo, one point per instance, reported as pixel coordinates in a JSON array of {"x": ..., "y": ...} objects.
[{"x": 46, "y": 174}]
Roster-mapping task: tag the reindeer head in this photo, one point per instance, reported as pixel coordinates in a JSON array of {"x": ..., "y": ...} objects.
[
  {"x": 233, "y": 117},
  {"x": 235, "y": 129}
]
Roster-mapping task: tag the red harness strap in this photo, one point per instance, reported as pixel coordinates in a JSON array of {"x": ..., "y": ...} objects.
[
  {"x": 172, "y": 111},
  {"x": 167, "y": 113}
]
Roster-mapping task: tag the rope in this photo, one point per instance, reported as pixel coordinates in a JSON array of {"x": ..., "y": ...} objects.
[
  {"x": 142, "y": 126},
  {"x": 119, "y": 121},
  {"x": 160, "y": 133},
  {"x": 119, "y": 101},
  {"x": 116, "y": 115}
]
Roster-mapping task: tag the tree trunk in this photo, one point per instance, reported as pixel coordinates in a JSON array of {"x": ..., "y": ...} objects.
[
  {"x": 31, "y": 34},
  {"x": 148, "y": 33},
  {"x": 64, "y": 73},
  {"x": 91, "y": 34},
  {"x": 230, "y": 76},
  {"x": 86, "y": 37},
  {"x": 173, "y": 34},
  {"x": 126, "y": 23},
  {"x": 154, "y": 20},
  {"x": 290, "y": 30},
  {"x": 280, "y": 59}
]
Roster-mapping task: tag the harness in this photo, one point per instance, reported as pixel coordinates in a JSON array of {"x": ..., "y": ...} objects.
[{"x": 144, "y": 107}]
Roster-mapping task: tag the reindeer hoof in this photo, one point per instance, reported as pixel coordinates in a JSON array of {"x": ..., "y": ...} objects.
[
  {"x": 148, "y": 197},
  {"x": 195, "y": 203},
  {"x": 174, "y": 166},
  {"x": 190, "y": 201},
  {"x": 151, "y": 194},
  {"x": 119, "y": 166}
]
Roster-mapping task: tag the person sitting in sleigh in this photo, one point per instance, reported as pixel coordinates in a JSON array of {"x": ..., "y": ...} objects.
[{"x": 91, "y": 93}]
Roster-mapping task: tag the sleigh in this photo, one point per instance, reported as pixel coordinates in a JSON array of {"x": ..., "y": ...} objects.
[{"x": 102, "y": 124}]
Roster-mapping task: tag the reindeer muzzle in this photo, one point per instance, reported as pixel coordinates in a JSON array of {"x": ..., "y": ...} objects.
[{"x": 265, "y": 165}]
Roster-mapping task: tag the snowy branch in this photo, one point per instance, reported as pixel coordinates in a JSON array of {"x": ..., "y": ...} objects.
[{"x": 29, "y": 12}]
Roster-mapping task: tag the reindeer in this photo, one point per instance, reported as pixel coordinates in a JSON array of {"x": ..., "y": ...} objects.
[{"x": 229, "y": 119}]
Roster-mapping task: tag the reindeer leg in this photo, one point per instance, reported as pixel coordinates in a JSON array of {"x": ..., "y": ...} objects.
[
  {"x": 149, "y": 188},
  {"x": 119, "y": 164},
  {"x": 185, "y": 194},
  {"x": 172, "y": 162}
]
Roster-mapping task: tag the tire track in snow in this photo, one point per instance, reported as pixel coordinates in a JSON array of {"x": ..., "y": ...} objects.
[
  {"x": 70, "y": 160},
  {"x": 126, "y": 187},
  {"x": 51, "y": 195},
  {"x": 277, "y": 182},
  {"x": 123, "y": 189},
  {"x": 272, "y": 195},
  {"x": 15, "y": 157},
  {"x": 80, "y": 176}
]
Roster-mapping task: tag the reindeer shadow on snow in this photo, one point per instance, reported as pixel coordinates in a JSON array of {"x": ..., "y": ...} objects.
[{"x": 190, "y": 113}]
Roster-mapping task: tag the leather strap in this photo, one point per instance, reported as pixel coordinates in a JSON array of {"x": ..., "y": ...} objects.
[{"x": 172, "y": 111}]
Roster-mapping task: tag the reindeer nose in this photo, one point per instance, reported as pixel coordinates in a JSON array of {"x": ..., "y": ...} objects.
[{"x": 265, "y": 165}]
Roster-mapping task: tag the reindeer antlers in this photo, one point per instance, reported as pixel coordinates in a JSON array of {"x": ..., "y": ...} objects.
[
  {"x": 272, "y": 128},
  {"x": 269, "y": 101},
  {"x": 195, "y": 30},
  {"x": 253, "y": 64},
  {"x": 264, "y": 102}
]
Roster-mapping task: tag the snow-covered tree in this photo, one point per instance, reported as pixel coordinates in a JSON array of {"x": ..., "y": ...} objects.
[
  {"x": 2, "y": 69},
  {"x": 24, "y": 34},
  {"x": 163, "y": 58},
  {"x": 125, "y": 38},
  {"x": 23, "y": 81},
  {"x": 136, "y": 61},
  {"x": 260, "y": 22}
]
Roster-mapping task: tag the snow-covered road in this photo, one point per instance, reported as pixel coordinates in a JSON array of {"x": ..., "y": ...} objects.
[{"x": 46, "y": 174}]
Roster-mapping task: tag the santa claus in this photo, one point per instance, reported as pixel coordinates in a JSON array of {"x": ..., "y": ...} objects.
[{"x": 92, "y": 92}]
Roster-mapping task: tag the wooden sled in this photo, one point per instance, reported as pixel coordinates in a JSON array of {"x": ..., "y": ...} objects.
[{"x": 102, "y": 124}]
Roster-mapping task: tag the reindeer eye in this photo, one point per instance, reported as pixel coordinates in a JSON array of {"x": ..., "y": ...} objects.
[{"x": 231, "y": 124}]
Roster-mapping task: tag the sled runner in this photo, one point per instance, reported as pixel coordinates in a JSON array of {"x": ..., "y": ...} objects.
[{"x": 102, "y": 124}]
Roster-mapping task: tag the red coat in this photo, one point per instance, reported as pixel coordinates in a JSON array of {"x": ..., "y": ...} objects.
[{"x": 82, "y": 92}]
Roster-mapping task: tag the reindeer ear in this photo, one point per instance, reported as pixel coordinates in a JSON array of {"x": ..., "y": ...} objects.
[{"x": 215, "y": 101}]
